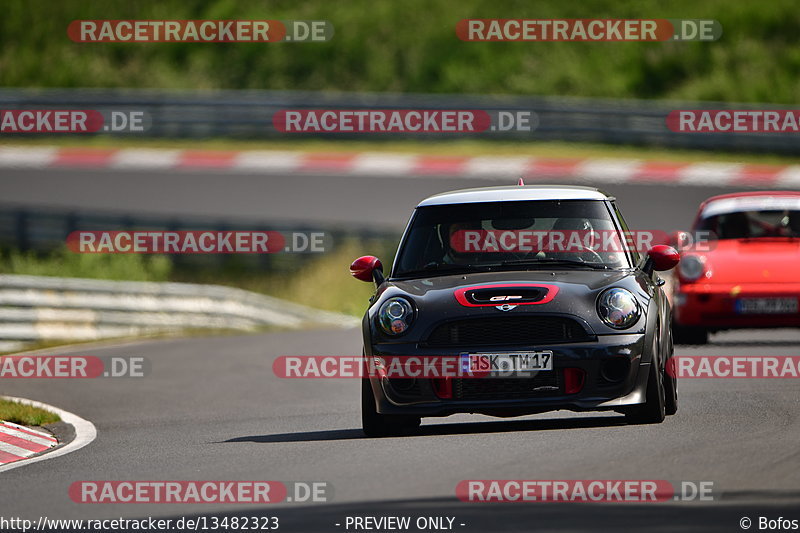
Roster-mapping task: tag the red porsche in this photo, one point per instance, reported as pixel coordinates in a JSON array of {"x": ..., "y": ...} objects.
[{"x": 747, "y": 274}]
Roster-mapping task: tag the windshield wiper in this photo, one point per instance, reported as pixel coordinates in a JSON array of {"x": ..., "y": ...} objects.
[{"x": 551, "y": 261}]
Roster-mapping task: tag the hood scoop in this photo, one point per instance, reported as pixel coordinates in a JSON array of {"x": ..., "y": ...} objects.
[
  {"x": 515, "y": 294},
  {"x": 519, "y": 295}
]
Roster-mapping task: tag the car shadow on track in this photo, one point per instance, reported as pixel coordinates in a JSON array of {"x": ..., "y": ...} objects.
[{"x": 446, "y": 429}]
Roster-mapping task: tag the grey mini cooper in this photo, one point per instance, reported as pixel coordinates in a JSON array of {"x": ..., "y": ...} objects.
[{"x": 549, "y": 327}]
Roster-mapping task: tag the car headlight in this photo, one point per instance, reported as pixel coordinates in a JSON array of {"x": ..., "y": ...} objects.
[
  {"x": 618, "y": 308},
  {"x": 692, "y": 267},
  {"x": 395, "y": 315}
]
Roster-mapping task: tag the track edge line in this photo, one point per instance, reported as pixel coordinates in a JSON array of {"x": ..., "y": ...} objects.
[{"x": 85, "y": 433}]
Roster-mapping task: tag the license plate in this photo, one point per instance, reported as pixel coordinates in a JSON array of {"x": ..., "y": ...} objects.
[
  {"x": 766, "y": 306},
  {"x": 507, "y": 362}
]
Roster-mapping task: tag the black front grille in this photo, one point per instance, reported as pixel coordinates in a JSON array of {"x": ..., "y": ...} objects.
[
  {"x": 546, "y": 383},
  {"x": 508, "y": 330}
]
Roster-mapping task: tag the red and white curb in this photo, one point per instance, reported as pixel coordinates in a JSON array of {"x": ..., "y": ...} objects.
[
  {"x": 19, "y": 442},
  {"x": 20, "y": 446},
  {"x": 392, "y": 165}
]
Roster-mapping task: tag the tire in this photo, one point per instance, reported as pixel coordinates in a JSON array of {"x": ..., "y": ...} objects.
[
  {"x": 689, "y": 335},
  {"x": 375, "y": 424},
  {"x": 654, "y": 409},
  {"x": 670, "y": 384}
]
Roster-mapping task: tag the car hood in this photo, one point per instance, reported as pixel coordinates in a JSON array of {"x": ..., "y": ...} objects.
[
  {"x": 588, "y": 279},
  {"x": 437, "y": 298},
  {"x": 764, "y": 260}
]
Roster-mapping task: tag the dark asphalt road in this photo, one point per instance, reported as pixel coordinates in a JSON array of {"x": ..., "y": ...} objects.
[
  {"x": 212, "y": 410},
  {"x": 380, "y": 202}
]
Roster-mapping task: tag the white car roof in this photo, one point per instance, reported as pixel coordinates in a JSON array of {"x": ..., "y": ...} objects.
[
  {"x": 514, "y": 194},
  {"x": 751, "y": 203}
]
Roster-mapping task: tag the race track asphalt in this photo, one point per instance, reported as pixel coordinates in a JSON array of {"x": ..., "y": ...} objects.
[
  {"x": 211, "y": 408},
  {"x": 326, "y": 199}
]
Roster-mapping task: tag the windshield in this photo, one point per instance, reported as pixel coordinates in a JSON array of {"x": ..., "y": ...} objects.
[
  {"x": 753, "y": 224},
  {"x": 509, "y": 236}
]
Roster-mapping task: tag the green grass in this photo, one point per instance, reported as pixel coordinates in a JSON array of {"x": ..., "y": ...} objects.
[
  {"x": 63, "y": 263},
  {"x": 411, "y": 46},
  {"x": 27, "y": 415}
]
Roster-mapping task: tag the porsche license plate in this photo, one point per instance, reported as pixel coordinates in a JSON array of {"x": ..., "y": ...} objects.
[{"x": 766, "y": 306}]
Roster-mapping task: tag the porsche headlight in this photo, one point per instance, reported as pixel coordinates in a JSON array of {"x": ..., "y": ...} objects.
[
  {"x": 692, "y": 267},
  {"x": 618, "y": 308},
  {"x": 395, "y": 315}
]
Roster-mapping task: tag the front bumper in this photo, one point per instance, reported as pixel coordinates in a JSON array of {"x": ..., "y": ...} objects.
[
  {"x": 615, "y": 377},
  {"x": 713, "y": 305}
]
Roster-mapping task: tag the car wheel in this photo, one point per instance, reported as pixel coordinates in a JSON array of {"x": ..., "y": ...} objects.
[
  {"x": 671, "y": 400},
  {"x": 689, "y": 335},
  {"x": 654, "y": 409},
  {"x": 375, "y": 424},
  {"x": 670, "y": 385}
]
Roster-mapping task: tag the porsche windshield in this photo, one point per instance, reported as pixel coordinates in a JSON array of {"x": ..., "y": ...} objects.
[
  {"x": 511, "y": 236},
  {"x": 751, "y": 217}
]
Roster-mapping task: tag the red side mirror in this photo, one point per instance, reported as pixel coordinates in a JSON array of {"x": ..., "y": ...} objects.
[
  {"x": 364, "y": 267},
  {"x": 663, "y": 257}
]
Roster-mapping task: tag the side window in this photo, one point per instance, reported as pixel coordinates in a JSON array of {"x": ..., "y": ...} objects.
[{"x": 634, "y": 254}]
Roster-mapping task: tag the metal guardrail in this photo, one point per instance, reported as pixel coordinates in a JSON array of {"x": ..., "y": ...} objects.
[
  {"x": 248, "y": 114},
  {"x": 38, "y": 308},
  {"x": 41, "y": 229}
]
